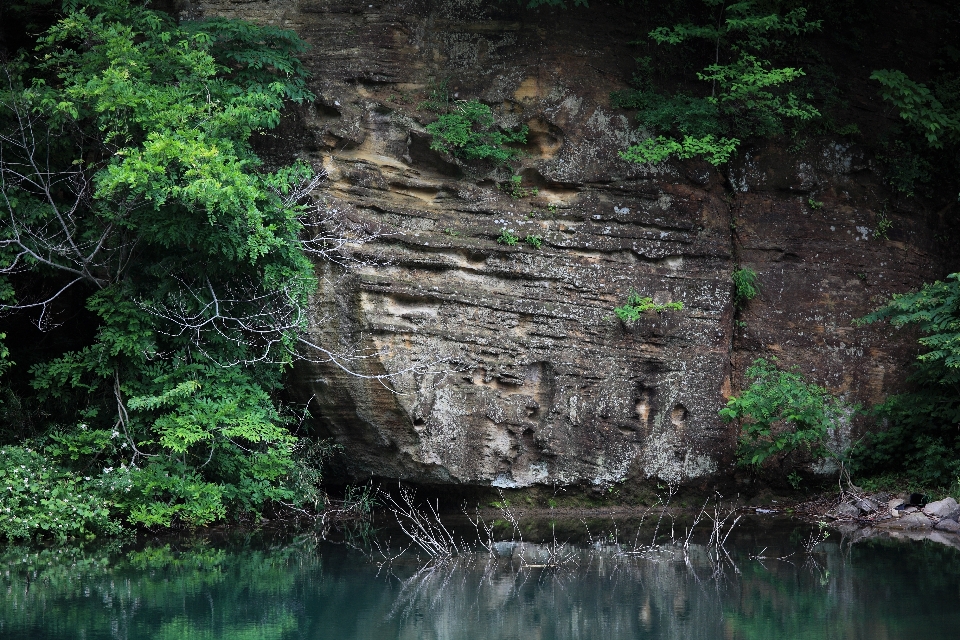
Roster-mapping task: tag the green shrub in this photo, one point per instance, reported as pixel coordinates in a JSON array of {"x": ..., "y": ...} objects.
[
  {"x": 516, "y": 189},
  {"x": 305, "y": 477},
  {"x": 637, "y": 305},
  {"x": 921, "y": 439},
  {"x": 469, "y": 132},
  {"x": 4, "y": 355},
  {"x": 508, "y": 238},
  {"x": 908, "y": 166},
  {"x": 40, "y": 499},
  {"x": 745, "y": 287},
  {"x": 534, "y": 241},
  {"x": 439, "y": 99},
  {"x": 656, "y": 150},
  {"x": 884, "y": 224},
  {"x": 780, "y": 413}
]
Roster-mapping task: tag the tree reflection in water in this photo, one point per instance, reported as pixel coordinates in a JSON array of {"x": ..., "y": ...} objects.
[{"x": 309, "y": 589}]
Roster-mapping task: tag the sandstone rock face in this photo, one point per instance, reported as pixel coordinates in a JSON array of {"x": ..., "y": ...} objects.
[{"x": 505, "y": 364}]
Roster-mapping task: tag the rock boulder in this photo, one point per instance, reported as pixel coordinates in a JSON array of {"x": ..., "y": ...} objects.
[
  {"x": 940, "y": 508},
  {"x": 948, "y": 525},
  {"x": 916, "y": 520}
]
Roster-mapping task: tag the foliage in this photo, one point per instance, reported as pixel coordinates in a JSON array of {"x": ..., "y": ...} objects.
[
  {"x": 932, "y": 115},
  {"x": 508, "y": 238},
  {"x": 439, "y": 98},
  {"x": 146, "y": 199},
  {"x": 795, "y": 480},
  {"x": 637, "y": 305},
  {"x": 534, "y": 241},
  {"x": 909, "y": 169},
  {"x": 922, "y": 438},
  {"x": 469, "y": 132},
  {"x": 745, "y": 286},
  {"x": 884, "y": 224},
  {"x": 919, "y": 106},
  {"x": 39, "y": 498},
  {"x": 657, "y": 150},
  {"x": 748, "y": 95},
  {"x": 5, "y": 362},
  {"x": 780, "y": 413},
  {"x": 516, "y": 189},
  {"x": 303, "y": 480}
]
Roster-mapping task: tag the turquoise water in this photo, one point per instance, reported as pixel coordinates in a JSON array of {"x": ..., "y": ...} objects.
[{"x": 305, "y": 588}]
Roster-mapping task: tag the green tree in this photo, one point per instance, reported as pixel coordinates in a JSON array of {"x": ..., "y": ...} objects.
[
  {"x": 748, "y": 91},
  {"x": 928, "y": 152},
  {"x": 922, "y": 439},
  {"x": 127, "y": 178}
]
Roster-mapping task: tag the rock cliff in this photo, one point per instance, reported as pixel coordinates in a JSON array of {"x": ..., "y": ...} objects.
[{"x": 508, "y": 367}]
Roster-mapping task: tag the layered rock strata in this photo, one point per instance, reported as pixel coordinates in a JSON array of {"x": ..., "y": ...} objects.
[{"x": 505, "y": 364}]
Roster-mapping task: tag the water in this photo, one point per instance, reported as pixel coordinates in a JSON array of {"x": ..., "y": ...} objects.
[{"x": 308, "y": 589}]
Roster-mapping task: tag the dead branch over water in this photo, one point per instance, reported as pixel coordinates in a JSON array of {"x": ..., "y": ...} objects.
[{"x": 429, "y": 537}]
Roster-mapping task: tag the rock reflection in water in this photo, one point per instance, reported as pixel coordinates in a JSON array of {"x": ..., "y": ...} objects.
[
  {"x": 599, "y": 592},
  {"x": 872, "y": 589}
]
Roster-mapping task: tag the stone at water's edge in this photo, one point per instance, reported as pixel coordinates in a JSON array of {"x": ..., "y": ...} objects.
[
  {"x": 940, "y": 508},
  {"x": 948, "y": 525},
  {"x": 529, "y": 379},
  {"x": 916, "y": 520},
  {"x": 867, "y": 505},
  {"x": 848, "y": 510}
]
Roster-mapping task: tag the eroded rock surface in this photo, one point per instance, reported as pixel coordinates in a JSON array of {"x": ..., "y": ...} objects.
[{"x": 507, "y": 365}]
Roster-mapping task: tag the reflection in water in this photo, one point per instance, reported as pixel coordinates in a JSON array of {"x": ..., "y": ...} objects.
[{"x": 303, "y": 589}]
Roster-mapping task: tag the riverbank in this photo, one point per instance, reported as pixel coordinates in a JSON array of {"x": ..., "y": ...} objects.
[{"x": 860, "y": 515}]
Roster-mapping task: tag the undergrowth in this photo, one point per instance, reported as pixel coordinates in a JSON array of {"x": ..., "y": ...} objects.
[{"x": 745, "y": 287}]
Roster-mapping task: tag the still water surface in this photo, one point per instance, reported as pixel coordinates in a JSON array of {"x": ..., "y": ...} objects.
[{"x": 304, "y": 589}]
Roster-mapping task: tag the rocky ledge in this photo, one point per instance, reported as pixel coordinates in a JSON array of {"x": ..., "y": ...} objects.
[{"x": 860, "y": 516}]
